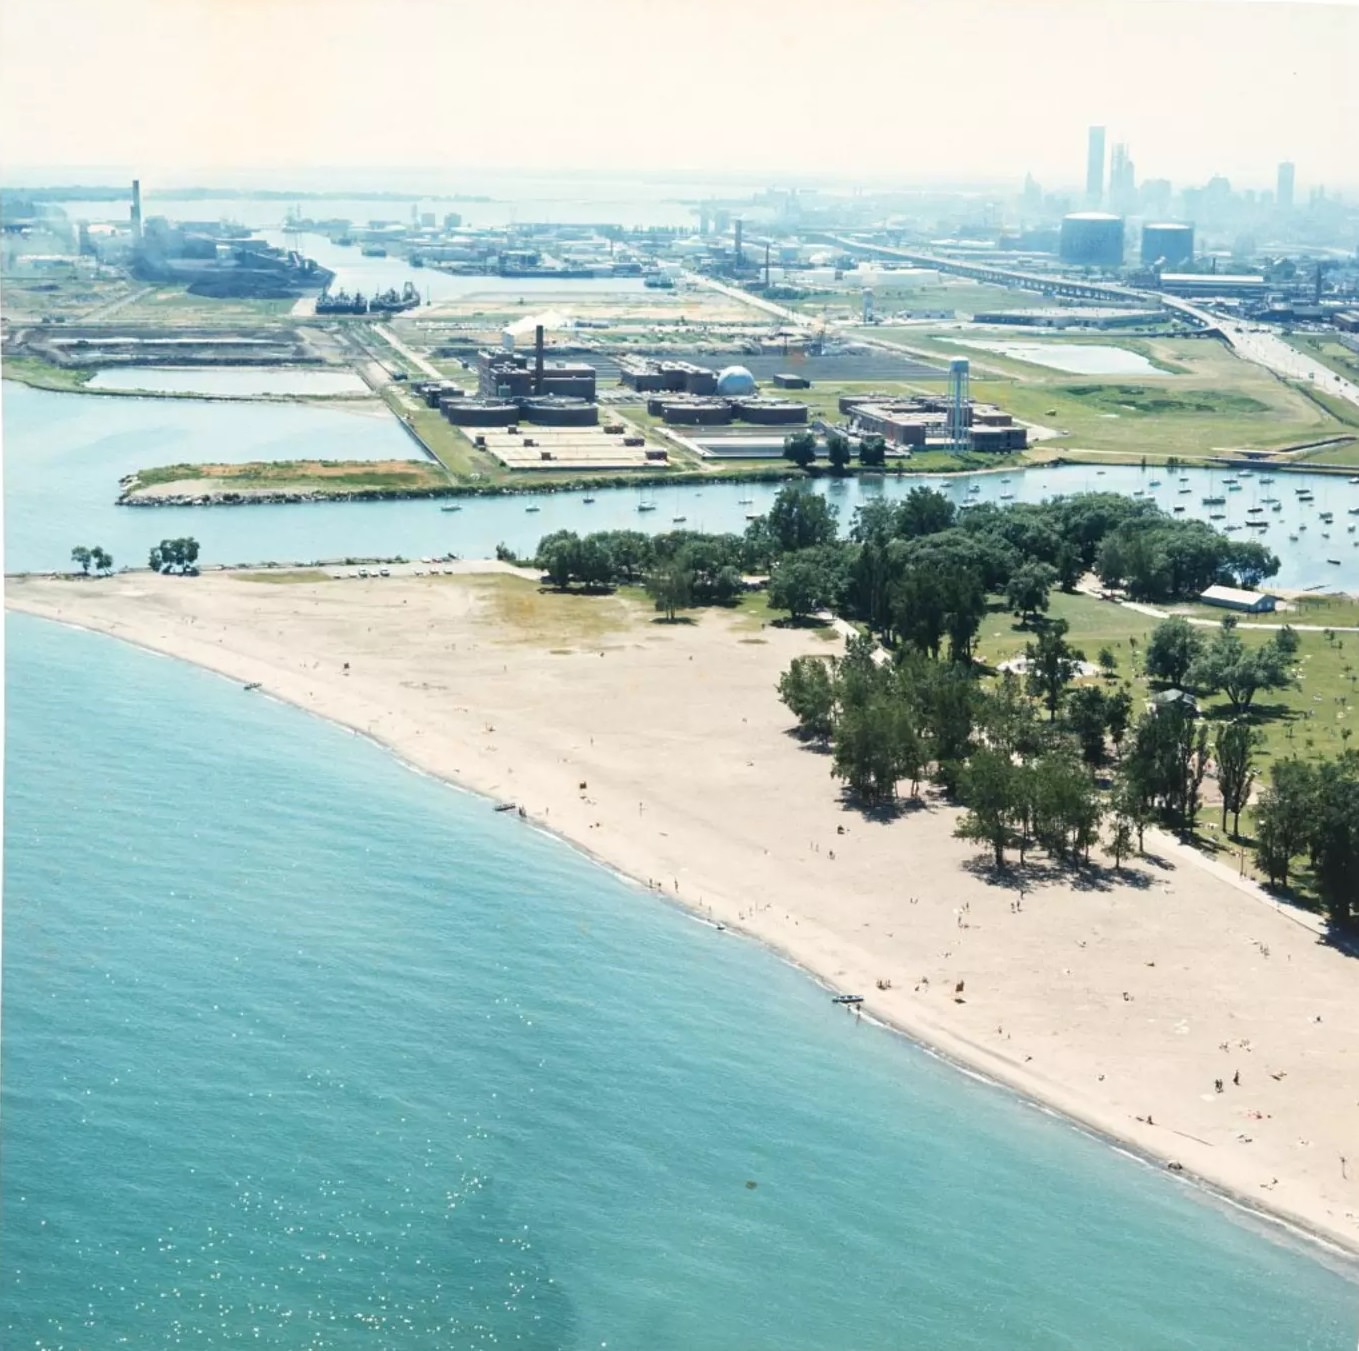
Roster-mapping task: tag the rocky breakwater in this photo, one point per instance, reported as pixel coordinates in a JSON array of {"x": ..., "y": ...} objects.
[{"x": 131, "y": 493}]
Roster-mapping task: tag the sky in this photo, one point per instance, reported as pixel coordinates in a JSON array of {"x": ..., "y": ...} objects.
[{"x": 915, "y": 91}]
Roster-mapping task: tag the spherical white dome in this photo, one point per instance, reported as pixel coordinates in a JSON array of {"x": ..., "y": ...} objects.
[{"x": 734, "y": 381}]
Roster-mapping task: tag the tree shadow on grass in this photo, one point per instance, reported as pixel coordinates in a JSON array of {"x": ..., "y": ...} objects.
[
  {"x": 1035, "y": 873},
  {"x": 677, "y": 620},
  {"x": 882, "y": 810},
  {"x": 816, "y": 745},
  {"x": 806, "y": 622}
]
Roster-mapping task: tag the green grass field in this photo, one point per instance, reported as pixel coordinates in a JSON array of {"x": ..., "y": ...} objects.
[
  {"x": 1312, "y": 720},
  {"x": 43, "y": 375},
  {"x": 1328, "y": 351}
]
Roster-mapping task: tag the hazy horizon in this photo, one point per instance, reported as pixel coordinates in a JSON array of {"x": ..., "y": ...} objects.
[{"x": 924, "y": 92}]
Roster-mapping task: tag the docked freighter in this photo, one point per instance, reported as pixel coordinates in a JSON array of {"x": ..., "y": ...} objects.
[
  {"x": 341, "y": 302},
  {"x": 392, "y": 301}
]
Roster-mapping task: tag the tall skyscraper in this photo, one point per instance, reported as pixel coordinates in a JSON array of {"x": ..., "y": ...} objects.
[
  {"x": 1122, "y": 180},
  {"x": 1283, "y": 193},
  {"x": 1094, "y": 167}
]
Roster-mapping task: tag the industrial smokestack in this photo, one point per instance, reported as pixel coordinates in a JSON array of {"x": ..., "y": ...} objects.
[
  {"x": 739, "y": 259},
  {"x": 538, "y": 359},
  {"x": 766, "y": 267},
  {"x": 136, "y": 211}
]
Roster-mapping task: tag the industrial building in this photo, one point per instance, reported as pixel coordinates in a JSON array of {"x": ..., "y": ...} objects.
[
  {"x": 679, "y": 410},
  {"x": 510, "y": 375},
  {"x": 1076, "y": 316},
  {"x": 923, "y": 421},
  {"x": 649, "y": 376},
  {"x": 1222, "y": 284},
  {"x": 1092, "y": 239},
  {"x": 1167, "y": 245}
]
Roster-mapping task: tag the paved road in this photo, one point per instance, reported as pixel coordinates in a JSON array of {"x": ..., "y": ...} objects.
[
  {"x": 393, "y": 341},
  {"x": 1266, "y": 348}
]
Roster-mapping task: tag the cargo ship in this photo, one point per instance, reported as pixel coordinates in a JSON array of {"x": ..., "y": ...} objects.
[
  {"x": 341, "y": 302},
  {"x": 393, "y": 302}
]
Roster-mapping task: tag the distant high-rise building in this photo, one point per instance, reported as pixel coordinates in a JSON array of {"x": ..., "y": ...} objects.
[
  {"x": 1094, "y": 167},
  {"x": 1122, "y": 180},
  {"x": 1033, "y": 195},
  {"x": 1283, "y": 192}
]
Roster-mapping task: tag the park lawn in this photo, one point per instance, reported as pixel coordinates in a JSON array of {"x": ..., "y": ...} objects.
[
  {"x": 1310, "y": 720},
  {"x": 529, "y": 613}
]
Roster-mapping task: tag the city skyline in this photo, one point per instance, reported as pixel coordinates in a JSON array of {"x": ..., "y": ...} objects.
[{"x": 1231, "y": 88}]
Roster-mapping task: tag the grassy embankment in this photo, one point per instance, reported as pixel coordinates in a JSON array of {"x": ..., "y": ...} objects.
[
  {"x": 43, "y": 375},
  {"x": 324, "y": 477},
  {"x": 1328, "y": 351}
]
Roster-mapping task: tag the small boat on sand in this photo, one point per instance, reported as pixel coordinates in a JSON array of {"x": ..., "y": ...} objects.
[{"x": 847, "y": 999}]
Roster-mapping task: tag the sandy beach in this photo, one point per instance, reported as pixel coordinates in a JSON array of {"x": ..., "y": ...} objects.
[{"x": 1118, "y": 999}]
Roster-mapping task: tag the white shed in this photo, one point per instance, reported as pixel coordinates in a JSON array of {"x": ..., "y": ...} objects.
[{"x": 1233, "y": 598}]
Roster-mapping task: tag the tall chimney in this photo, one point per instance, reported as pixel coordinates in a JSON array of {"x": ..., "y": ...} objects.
[
  {"x": 538, "y": 359},
  {"x": 766, "y": 267},
  {"x": 136, "y": 211},
  {"x": 739, "y": 259}
]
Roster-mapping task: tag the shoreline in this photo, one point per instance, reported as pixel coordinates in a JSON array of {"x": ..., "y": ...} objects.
[{"x": 950, "y": 1044}]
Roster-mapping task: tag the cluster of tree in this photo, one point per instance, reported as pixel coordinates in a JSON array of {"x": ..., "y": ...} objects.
[
  {"x": 175, "y": 555},
  {"x": 94, "y": 557},
  {"x": 1159, "y": 558},
  {"x": 1179, "y": 654},
  {"x": 1312, "y": 810},
  {"x": 800, "y": 448}
]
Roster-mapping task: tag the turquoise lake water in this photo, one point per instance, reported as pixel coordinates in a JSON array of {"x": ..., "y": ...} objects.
[
  {"x": 64, "y": 455},
  {"x": 304, "y": 1050}
]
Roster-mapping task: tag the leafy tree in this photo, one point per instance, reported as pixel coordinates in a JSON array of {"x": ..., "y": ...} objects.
[
  {"x": 808, "y": 689},
  {"x": 919, "y": 610},
  {"x": 1234, "y": 744},
  {"x": 964, "y": 609},
  {"x": 801, "y": 584},
  {"x": 1173, "y": 648},
  {"x": 1168, "y": 761},
  {"x": 1052, "y": 665},
  {"x": 1087, "y": 715},
  {"x": 838, "y": 452},
  {"x": 1069, "y": 565},
  {"x": 800, "y": 519},
  {"x": 172, "y": 555},
  {"x": 1335, "y": 838},
  {"x": 1118, "y": 709},
  {"x": 1108, "y": 663},
  {"x": 1064, "y": 806},
  {"x": 1283, "y": 817},
  {"x": 101, "y": 559},
  {"x": 594, "y": 563},
  {"x": 990, "y": 788},
  {"x": 1227, "y": 664},
  {"x": 1026, "y": 593},
  {"x": 1131, "y": 799},
  {"x": 800, "y": 447},
  {"x": 82, "y": 557},
  {"x": 670, "y": 584},
  {"x": 1121, "y": 831},
  {"x": 948, "y": 713},
  {"x": 876, "y": 745},
  {"x": 872, "y": 452},
  {"x": 557, "y": 557}
]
